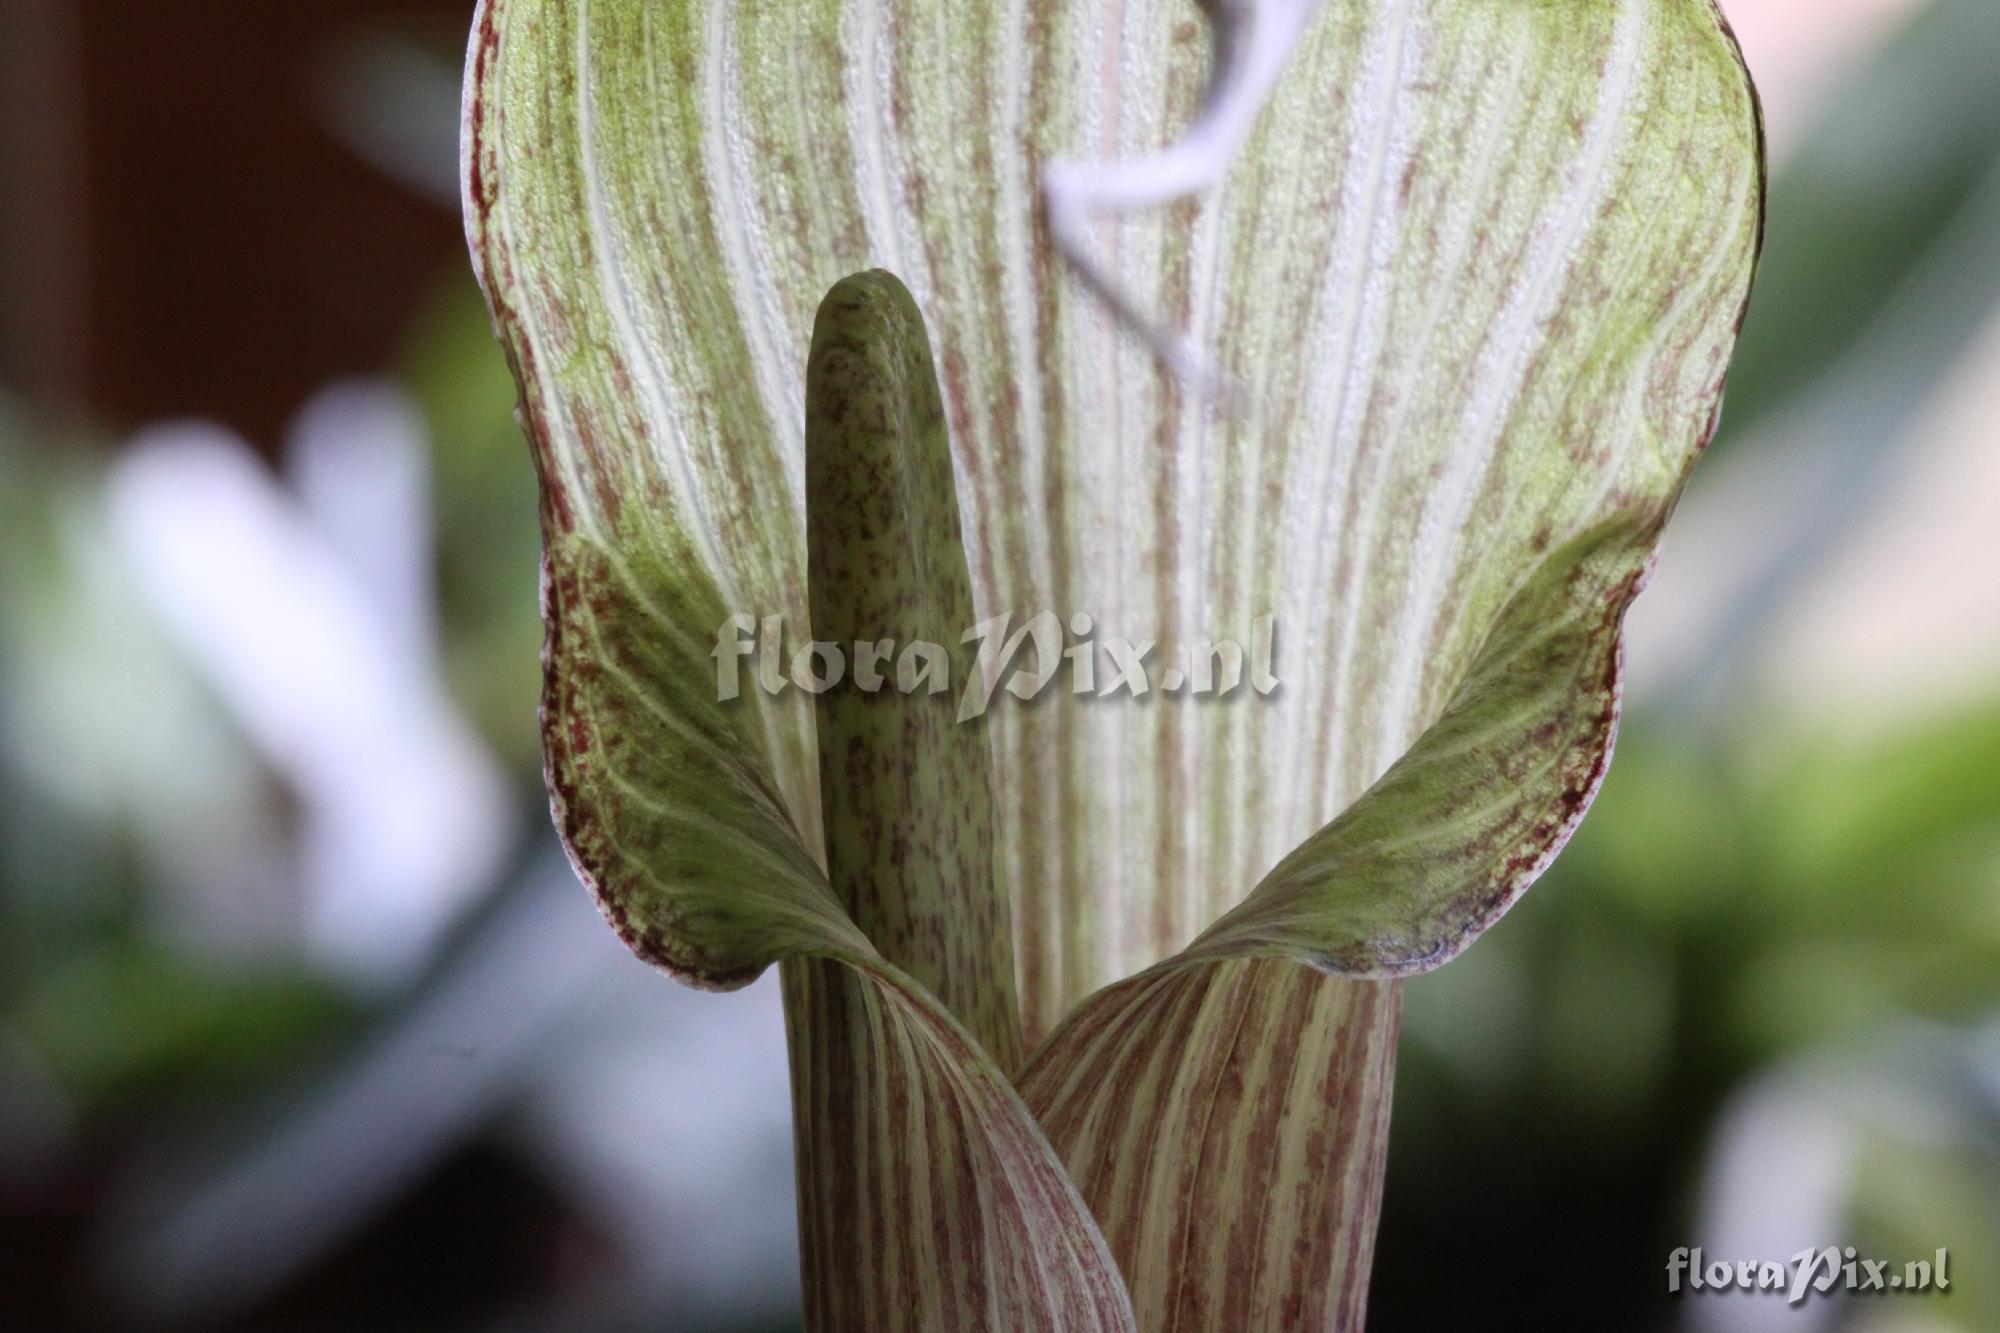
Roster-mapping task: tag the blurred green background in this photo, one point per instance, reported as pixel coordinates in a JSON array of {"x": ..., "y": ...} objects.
[{"x": 303, "y": 1023}]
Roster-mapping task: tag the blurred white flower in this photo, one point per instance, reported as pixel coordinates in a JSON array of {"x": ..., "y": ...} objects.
[{"x": 309, "y": 614}]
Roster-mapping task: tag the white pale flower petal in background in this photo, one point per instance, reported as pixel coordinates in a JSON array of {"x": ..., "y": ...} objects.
[{"x": 404, "y": 813}]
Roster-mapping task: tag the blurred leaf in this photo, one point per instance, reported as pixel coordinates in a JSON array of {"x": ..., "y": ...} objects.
[
  {"x": 1881, "y": 180},
  {"x": 487, "y": 539},
  {"x": 135, "y": 1017}
]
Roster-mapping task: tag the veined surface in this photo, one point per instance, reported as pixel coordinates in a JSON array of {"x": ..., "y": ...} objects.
[
  {"x": 1474, "y": 278},
  {"x": 1459, "y": 232}
]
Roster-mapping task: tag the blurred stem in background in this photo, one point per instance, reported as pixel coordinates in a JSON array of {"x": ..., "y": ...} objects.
[{"x": 44, "y": 207}]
